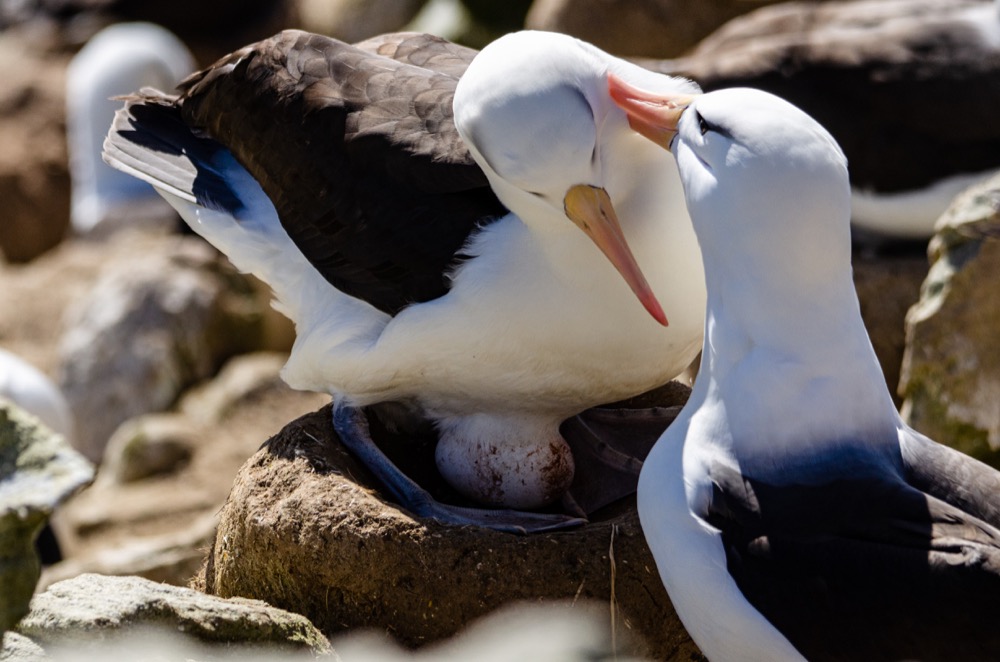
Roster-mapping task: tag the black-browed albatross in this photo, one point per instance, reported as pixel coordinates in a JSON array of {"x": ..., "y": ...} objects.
[
  {"x": 391, "y": 247},
  {"x": 791, "y": 512},
  {"x": 866, "y": 70}
]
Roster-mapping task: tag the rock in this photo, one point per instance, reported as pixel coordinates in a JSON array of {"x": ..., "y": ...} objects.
[
  {"x": 93, "y": 609},
  {"x": 161, "y": 526},
  {"x": 650, "y": 28},
  {"x": 245, "y": 379},
  {"x": 172, "y": 557},
  {"x": 305, "y": 528},
  {"x": 38, "y": 470},
  {"x": 16, "y": 647},
  {"x": 35, "y": 295},
  {"x": 153, "y": 324},
  {"x": 951, "y": 369},
  {"x": 356, "y": 20},
  {"x": 34, "y": 178},
  {"x": 147, "y": 446}
]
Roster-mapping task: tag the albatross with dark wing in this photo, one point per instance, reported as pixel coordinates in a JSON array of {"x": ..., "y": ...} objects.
[
  {"x": 791, "y": 512},
  {"x": 449, "y": 263},
  {"x": 865, "y": 70}
]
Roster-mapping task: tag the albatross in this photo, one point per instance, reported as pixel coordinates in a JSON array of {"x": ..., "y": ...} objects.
[
  {"x": 118, "y": 59},
  {"x": 478, "y": 238},
  {"x": 864, "y": 70},
  {"x": 791, "y": 513}
]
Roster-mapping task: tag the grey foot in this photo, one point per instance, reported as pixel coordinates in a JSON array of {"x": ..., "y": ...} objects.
[
  {"x": 352, "y": 428},
  {"x": 609, "y": 445}
]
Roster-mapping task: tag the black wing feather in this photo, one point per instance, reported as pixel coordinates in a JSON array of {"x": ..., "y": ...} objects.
[
  {"x": 359, "y": 154},
  {"x": 863, "y": 567}
]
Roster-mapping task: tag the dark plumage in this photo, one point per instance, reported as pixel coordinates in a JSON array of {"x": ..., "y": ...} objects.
[
  {"x": 872, "y": 547},
  {"x": 880, "y": 75},
  {"x": 371, "y": 129},
  {"x": 338, "y": 175}
]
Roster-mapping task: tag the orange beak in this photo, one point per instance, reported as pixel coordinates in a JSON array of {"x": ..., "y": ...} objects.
[
  {"x": 654, "y": 116},
  {"x": 590, "y": 208}
]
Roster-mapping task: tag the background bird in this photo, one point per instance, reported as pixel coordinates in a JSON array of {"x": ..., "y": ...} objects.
[{"x": 867, "y": 71}]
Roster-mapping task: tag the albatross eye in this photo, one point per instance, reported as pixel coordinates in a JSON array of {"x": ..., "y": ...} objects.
[{"x": 702, "y": 124}]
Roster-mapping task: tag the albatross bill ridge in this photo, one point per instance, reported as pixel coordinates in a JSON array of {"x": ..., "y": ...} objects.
[
  {"x": 791, "y": 512},
  {"x": 435, "y": 272}
]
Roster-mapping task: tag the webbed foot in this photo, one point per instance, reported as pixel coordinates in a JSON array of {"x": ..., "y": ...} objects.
[{"x": 352, "y": 427}]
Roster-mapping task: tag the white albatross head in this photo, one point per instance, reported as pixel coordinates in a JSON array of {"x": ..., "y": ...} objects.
[
  {"x": 766, "y": 185},
  {"x": 534, "y": 110}
]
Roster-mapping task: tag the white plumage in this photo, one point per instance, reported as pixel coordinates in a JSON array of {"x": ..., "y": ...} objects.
[
  {"x": 791, "y": 512},
  {"x": 537, "y": 325},
  {"x": 117, "y": 60}
]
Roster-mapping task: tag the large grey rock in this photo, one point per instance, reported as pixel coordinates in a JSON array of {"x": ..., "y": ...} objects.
[
  {"x": 161, "y": 525},
  {"x": 306, "y": 529},
  {"x": 93, "y": 609},
  {"x": 951, "y": 369},
  {"x": 644, "y": 28},
  {"x": 153, "y": 324},
  {"x": 38, "y": 470}
]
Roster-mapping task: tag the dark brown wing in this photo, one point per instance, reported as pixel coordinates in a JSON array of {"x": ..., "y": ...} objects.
[
  {"x": 359, "y": 154},
  {"x": 863, "y": 567},
  {"x": 421, "y": 50},
  {"x": 870, "y": 73}
]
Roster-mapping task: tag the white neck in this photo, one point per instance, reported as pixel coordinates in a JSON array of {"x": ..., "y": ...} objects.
[{"x": 773, "y": 341}]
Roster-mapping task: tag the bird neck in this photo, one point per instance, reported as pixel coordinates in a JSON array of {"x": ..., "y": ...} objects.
[{"x": 788, "y": 361}]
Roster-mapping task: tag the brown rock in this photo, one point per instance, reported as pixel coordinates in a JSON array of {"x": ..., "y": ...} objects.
[
  {"x": 34, "y": 178},
  {"x": 305, "y": 529},
  {"x": 147, "y": 446}
]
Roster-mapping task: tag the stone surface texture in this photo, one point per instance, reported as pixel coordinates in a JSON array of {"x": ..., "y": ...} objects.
[
  {"x": 38, "y": 470},
  {"x": 154, "y": 324},
  {"x": 34, "y": 176},
  {"x": 160, "y": 526},
  {"x": 304, "y": 529},
  {"x": 91, "y": 608},
  {"x": 951, "y": 370}
]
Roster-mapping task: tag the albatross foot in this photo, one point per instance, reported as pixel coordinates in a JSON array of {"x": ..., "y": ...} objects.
[
  {"x": 352, "y": 428},
  {"x": 609, "y": 445}
]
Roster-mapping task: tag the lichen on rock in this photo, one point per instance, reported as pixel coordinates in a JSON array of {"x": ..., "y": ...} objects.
[
  {"x": 951, "y": 368},
  {"x": 38, "y": 470}
]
